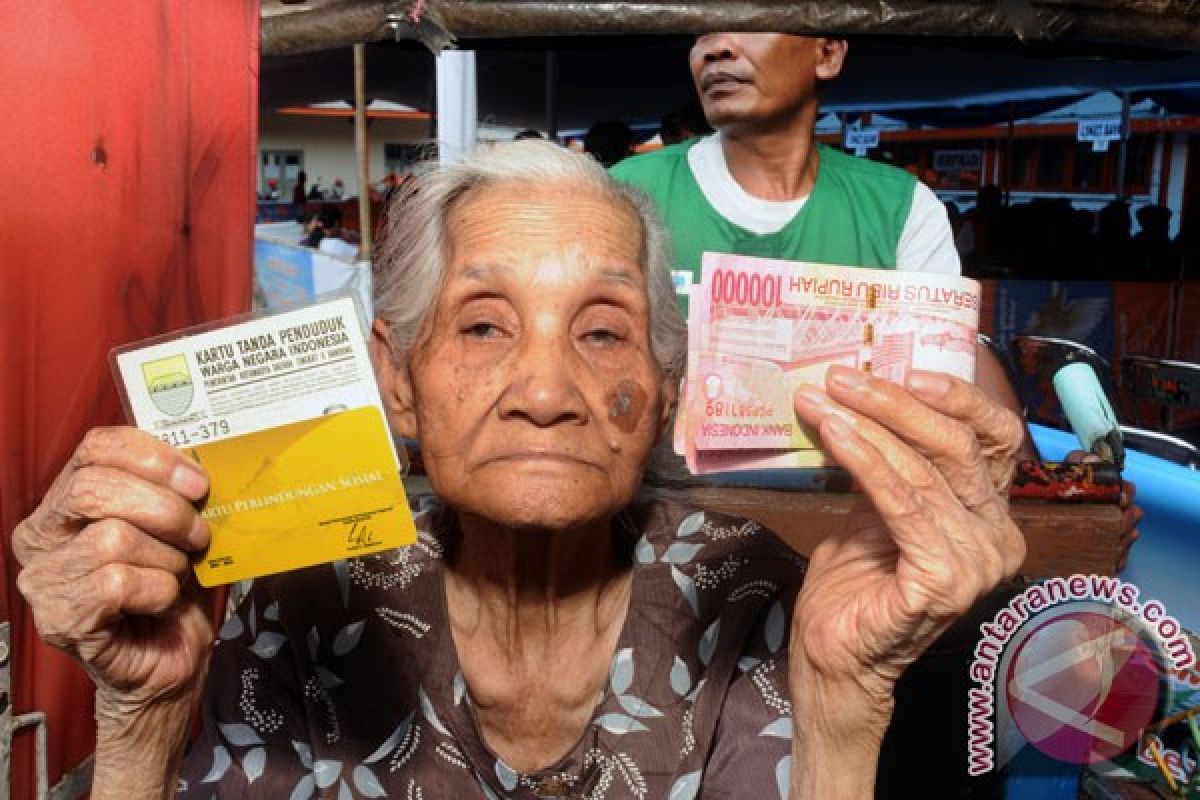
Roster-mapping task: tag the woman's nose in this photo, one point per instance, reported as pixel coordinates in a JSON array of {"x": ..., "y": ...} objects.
[{"x": 544, "y": 389}]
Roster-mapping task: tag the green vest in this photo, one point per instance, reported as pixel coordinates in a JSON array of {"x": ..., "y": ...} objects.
[{"x": 854, "y": 216}]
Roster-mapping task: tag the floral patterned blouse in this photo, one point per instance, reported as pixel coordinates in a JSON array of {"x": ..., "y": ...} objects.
[{"x": 342, "y": 681}]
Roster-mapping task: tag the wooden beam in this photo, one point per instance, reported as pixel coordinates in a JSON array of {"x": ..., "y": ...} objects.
[
  {"x": 360, "y": 148},
  {"x": 327, "y": 24}
]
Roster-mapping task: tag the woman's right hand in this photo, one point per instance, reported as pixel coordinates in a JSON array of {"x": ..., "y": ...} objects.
[{"x": 106, "y": 572}]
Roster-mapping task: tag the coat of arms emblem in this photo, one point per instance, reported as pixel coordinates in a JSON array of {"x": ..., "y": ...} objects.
[{"x": 169, "y": 381}]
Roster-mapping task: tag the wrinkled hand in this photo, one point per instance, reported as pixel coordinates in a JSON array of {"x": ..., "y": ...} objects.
[
  {"x": 932, "y": 534},
  {"x": 106, "y": 570}
]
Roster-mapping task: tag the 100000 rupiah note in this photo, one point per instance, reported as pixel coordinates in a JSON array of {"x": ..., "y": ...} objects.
[{"x": 758, "y": 328}]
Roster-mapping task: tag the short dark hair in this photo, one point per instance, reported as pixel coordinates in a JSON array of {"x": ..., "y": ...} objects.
[
  {"x": 692, "y": 116},
  {"x": 330, "y": 217},
  {"x": 670, "y": 130},
  {"x": 609, "y": 141}
]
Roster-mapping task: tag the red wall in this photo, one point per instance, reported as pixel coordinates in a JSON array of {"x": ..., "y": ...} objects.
[{"x": 127, "y": 155}]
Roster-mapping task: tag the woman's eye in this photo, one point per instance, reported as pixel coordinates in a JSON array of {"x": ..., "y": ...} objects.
[
  {"x": 602, "y": 336},
  {"x": 482, "y": 330}
]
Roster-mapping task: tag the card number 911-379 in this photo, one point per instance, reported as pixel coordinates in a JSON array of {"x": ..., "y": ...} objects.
[{"x": 196, "y": 434}]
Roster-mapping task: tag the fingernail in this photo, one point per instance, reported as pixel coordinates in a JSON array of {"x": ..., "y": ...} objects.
[
  {"x": 189, "y": 481},
  {"x": 845, "y": 419},
  {"x": 199, "y": 535},
  {"x": 848, "y": 378},
  {"x": 813, "y": 397},
  {"x": 930, "y": 384},
  {"x": 835, "y": 426}
]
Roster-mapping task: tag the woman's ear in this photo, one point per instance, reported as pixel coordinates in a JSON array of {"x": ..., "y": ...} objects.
[{"x": 395, "y": 387}]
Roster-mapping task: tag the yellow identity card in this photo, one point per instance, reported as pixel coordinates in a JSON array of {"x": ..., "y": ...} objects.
[{"x": 283, "y": 413}]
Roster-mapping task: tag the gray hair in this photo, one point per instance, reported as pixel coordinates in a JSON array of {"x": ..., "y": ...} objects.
[{"x": 410, "y": 264}]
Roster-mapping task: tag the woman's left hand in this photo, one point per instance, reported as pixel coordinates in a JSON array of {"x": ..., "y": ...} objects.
[{"x": 934, "y": 460}]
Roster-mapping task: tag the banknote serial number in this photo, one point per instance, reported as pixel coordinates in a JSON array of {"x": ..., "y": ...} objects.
[
  {"x": 740, "y": 288},
  {"x": 196, "y": 434}
]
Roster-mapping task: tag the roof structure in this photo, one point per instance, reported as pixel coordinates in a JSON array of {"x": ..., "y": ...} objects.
[
  {"x": 628, "y": 60},
  {"x": 290, "y": 27},
  {"x": 640, "y": 78}
]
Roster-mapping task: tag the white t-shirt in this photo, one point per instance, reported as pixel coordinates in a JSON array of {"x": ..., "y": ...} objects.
[
  {"x": 337, "y": 247},
  {"x": 926, "y": 243}
]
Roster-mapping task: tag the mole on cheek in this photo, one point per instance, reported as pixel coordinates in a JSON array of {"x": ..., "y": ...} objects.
[{"x": 626, "y": 401}]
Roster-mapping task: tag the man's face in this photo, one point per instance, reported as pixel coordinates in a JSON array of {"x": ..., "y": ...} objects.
[
  {"x": 537, "y": 397},
  {"x": 747, "y": 79}
]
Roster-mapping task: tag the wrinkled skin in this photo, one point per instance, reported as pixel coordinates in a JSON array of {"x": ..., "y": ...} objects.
[
  {"x": 107, "y": 576},
  {"x": 537, "y": 400},
  {"x": 543, "y": 323},
  {"x": 934, "y": 535},
  {"x": 929, "y": 537}
]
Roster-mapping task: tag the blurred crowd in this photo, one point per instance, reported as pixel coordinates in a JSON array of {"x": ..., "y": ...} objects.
[
  {"x": 1049, "y": 238},
  {"x": 1044, "y": 238}
]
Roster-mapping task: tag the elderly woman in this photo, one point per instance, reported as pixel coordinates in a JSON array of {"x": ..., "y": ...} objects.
[{"x": 548, "y": 635}]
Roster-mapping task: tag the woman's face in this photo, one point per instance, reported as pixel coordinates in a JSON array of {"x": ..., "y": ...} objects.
[{"x": 536, "y": 395}]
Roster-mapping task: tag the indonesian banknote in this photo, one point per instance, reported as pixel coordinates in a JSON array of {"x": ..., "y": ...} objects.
[{"x": 758, "y": 328}]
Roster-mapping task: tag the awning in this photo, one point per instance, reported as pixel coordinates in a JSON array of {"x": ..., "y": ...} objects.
[
  {"x": 640, "y": 78},
  {"x": 288, "y": 27}
]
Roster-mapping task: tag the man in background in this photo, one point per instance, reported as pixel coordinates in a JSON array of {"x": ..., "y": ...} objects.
[
  {"x": 761, "y": 185},
  {"x": 323, "y": 231},
  {"x": 299, "y": 192}
]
